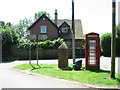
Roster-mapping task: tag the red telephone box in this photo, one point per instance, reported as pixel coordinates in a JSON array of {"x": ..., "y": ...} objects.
[{"x": 92, "y": 51}]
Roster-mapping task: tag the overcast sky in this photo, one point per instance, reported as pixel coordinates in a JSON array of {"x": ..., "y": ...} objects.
[{"x": 96, "y": 15}]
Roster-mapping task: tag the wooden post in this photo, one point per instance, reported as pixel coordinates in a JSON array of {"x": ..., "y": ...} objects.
[{"x": 113, "y": 39}]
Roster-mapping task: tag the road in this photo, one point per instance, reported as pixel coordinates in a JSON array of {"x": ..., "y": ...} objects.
[{"x": 13, "y": 79}]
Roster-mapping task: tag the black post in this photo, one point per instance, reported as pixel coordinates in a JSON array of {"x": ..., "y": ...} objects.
[
  {"x": 73, "y": 32},
  {"x": 113, "y": 39},
  {"x": 73, "y": 23},
  {"x": 30, "y": 53},
  {"x": 37, "y": 48}
]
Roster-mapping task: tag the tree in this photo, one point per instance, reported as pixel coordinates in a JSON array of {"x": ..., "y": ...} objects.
[
  {"x": 37, "y": 15},
  {"x": 8, "y": 24},
  {"x": 9, "y": 38},
  {"x": 21, "y": 28},
  {"x": 2, "y": 24}
]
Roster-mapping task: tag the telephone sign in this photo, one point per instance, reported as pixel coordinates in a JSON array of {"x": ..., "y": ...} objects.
[{"x": 92, "y": 51}]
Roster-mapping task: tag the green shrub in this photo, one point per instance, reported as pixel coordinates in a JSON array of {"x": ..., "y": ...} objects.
[
  {"x": 57, "y": 42},
  {"x": 118, "y": 31},
  {"x": 46, "y": 44},
  {"x": 42, "y": 45},
  {"x": 24, "y": 46},
  {"x": 33, "y": 45},
  {"x": 106, "y": 44},
  {"x": 118, "y": 46},
  {"x": 118, "y": 41}
]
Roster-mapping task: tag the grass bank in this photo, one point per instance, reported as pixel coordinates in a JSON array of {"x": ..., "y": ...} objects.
[{"x": 99, "y": 78}]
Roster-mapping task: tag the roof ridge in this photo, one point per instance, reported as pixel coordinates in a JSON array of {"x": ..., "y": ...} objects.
[
  {"x": 68, "y": 19},
  {"x": 40, "y": 18}
]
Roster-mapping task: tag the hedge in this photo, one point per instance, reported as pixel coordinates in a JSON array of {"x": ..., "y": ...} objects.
[
  {"x": 48, "y": 44},
  {"x": 106, "y": 45}
]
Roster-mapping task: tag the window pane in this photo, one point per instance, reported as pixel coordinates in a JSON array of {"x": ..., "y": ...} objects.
[
  {"x": 93, "y": 58},
  {"x": 92, "y": 54},
  {"x": 43, "y": 29},
  {"x": 92, "y": 44},
  {"x": 92, "y": 50},
  {"x": 92, "y": 47},
  {"x": 92, "y": 62},
  {"x": 92, "y": 41},
  {"x": 64, "y": 30}
]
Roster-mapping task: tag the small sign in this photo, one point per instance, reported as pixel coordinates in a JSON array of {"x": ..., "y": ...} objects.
[
  {"x": 34, "y": 37},
  {"x": 42, "y": 37},
  {"x": 92, "y": 35},
  {"x": 31, "y": 37}
]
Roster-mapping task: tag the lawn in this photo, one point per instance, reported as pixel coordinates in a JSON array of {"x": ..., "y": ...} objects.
[{"x": 99, "y": 78}]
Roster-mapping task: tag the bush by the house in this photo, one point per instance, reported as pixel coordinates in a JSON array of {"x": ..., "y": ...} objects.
[
  {"x": 27, "y": 45},
  {"x": 48, "y": 44}
]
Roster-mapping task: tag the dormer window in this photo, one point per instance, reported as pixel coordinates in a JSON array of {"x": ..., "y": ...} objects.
[{"x": 64, "y": 30}]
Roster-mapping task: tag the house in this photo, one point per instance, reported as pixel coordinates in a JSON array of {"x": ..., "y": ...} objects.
[
  {"x": 44, "y": 28},
  {"x": 47, "y": 29}
]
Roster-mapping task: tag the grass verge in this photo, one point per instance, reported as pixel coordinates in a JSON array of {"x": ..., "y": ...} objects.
[{"x": 99, "y": 78}]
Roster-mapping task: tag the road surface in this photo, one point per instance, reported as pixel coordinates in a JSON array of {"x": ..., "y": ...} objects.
[{"x": 13, "y": 79}]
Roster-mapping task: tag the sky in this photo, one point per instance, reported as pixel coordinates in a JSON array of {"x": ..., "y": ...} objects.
[{"x": 95, "y": 15}]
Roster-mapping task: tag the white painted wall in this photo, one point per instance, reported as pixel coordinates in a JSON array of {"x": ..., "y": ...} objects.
[
  {"x": 105, "y": 64},
  {"x": 117, "y": 68},
  {"x": 118, "y": 59},
  {"x": 119, "y": 12}
]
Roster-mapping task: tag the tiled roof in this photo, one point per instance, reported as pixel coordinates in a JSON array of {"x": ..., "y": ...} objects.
[{"x": 78, "y": 27}]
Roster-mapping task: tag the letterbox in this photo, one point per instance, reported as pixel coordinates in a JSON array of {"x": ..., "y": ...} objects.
[{"x": 92, "y": 51}]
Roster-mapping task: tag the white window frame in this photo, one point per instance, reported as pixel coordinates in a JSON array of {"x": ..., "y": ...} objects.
[
  {"x": 43, "y": 29},
  {"x": 64, "y": 30}
]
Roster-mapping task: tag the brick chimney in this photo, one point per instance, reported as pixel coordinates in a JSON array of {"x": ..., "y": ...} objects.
[{"x": 56, "y": 18}]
